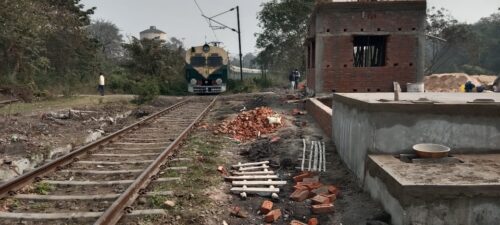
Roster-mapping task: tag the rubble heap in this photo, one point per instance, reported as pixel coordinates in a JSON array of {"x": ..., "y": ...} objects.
[{"x": 251, "y": 124}]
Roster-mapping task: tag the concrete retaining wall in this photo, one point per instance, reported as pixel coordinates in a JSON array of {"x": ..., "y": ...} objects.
[
  {"x": 322, "y": 114},
  {"x": 358, "y": 130}
]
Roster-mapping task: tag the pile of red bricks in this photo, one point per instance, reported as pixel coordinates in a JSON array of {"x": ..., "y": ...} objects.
[
  {"x": 322, "y": 196},
  {"x": 249, "y": 124}
]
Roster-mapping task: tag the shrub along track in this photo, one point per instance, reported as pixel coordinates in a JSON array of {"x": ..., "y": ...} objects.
[{"x": 98, "y": 183}]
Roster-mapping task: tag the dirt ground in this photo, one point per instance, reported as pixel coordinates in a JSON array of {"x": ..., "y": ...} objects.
[
  {"x": 210, "y": 200},
  {"x": 34, "y": 130}
]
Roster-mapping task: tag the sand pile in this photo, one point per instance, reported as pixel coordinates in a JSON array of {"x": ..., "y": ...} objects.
[{"x": 451, "y": 82}]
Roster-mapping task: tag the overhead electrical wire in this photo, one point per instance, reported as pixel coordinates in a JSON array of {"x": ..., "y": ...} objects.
[{"x": 208, "y": 21}]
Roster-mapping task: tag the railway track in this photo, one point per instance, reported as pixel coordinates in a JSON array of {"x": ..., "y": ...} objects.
[{"x": 98, "y": 183}]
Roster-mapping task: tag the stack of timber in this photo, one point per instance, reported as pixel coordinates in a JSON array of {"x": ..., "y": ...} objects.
[
  {"x": 255, "y": 178},
  {"x": 313, "y": 157}
]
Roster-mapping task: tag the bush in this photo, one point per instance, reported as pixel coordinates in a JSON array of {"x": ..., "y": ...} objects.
[
  {"x": 238, "y": 86},
  {"x": 146, "y": 91}
]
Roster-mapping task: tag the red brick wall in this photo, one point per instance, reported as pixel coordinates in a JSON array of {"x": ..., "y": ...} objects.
[
  {"x": 336, "y": 25},
  {"x": 322, "y": 117},
  {"x": 311, "y": 81}
]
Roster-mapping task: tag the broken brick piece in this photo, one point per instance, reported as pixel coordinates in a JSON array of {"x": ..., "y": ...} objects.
[
  {"x": 300, "y": 187},
  {"x": 300, "y": 195},
  {"x": 314, "y": 179},
  {"x": 303, "y": 175},
  {"x": 222, "y": 170},
  {"x": 310, "y": 186},
  {"x": 319, "y": 199},
  {"x": 333, "y": 190},
  {"x": 296, "y": 222},
  {"x": 272, "y": 216},
  {"x": 266, "y": 207},
  {"x": 313, "y": 221},
  {"x": 323, "y": 208},
  {"x": 321, "y": 190},
  {"x": 332, "y": 197}
]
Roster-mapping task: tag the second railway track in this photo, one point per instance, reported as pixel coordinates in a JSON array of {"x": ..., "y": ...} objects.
[{"x": 98, "y": 183}]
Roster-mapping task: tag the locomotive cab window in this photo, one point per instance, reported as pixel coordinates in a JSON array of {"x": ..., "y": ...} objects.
[
  {"x": 369, "y": 51},
  {"x": 214, "y": 61},
  {"x": 197, "y": 61}
]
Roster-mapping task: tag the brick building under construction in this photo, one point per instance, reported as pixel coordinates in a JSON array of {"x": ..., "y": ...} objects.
[{"x": 363, "y": 46}]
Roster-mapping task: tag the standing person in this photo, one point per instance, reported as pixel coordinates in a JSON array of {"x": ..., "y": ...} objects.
[
  {"x": 102, "y": 82},
  {"x": 291, "y": 78},
  {"x": 296, "y": 75}
]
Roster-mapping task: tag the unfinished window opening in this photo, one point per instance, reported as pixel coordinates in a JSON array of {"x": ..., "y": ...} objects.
[
  {"x": 369, "y": 51},
  {"x": 313, "y": 54}
]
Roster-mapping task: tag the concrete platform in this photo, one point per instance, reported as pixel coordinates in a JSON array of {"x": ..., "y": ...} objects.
[{"x": 465, "y": 191}]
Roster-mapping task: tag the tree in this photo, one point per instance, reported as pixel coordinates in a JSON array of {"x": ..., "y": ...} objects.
[
  {"x": 284, "y": 25},
  {"x": 155, "y": 63},
  {"x": 109, "y": 38}
]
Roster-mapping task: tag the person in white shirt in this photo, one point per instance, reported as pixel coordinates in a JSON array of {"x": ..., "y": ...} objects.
[{"x": 102, "y": 82}]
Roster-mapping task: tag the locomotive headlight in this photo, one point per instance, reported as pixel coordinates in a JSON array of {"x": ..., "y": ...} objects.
[
  {"x": 218, "y": 81},
  {"x": 193, "y": 81}
]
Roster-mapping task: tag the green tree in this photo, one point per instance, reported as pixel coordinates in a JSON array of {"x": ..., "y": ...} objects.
[
  {"x": 155, "y": 63},
  {"x": 108, "y": 38},
  {"x": 284, "y": 26}
]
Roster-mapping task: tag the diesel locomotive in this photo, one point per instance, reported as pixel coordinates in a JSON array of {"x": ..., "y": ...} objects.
[{"x": 207, "y": 69}]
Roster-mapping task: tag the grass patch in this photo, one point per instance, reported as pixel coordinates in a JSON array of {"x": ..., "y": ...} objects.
[
  {"x": 43, "y": 188},
  {"x": 204, "y": 149}
]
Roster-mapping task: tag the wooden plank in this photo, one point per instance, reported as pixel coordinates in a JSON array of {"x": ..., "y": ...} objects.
[
  {"x": 270, "y": 172},
  {"x": 114, "y": 163},
  {"x": 252, "y": 177},
  {"x": 253, "y": 168},
  {"x": 111, "y": 182},
  {"x": 258, "y": 183},
  {"x": 250, "y": 164},
  {"x": 82, "y": 197},
  {"x": 255, "y": 190},
  {"x": 125, "y": 155}
]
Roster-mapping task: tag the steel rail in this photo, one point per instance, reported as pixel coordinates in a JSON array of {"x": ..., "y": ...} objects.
[
  {"x": 12, "y": 186},
  {"x": 123, "y": 204}
]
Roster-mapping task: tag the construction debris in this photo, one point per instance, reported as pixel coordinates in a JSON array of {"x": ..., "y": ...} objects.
[
  {"x": 317, "y": 157},
  {"x": 254, "y": 177},
  {"x": 251, "y": 124},
  {"x": 322, "y": 196}
]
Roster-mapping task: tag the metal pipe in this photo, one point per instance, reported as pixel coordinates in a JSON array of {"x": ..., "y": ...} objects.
[
  {"x": 303, "y": 154},
  {"x": 311, "y": 155}
]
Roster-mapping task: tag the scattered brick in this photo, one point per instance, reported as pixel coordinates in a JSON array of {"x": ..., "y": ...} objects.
[
  {"x": 333, "y": 190},
  {"x": 300, "y": 187},
  {"x": 332, "y": 197},
  {"x": 272, "y": 216},
  {"x": 323, "y": 190},
  {"x": 222, "y": 170},
  {"x": 300, "y": 177},
  {"x": 266, "y": 207},
  {"x": 323, "y": 208},
  {"x": 249, "y": 125},
  {"x": 275, "y": 139},
  {"x": 320, "y": 199},
  {"x": 313, "y": 221},
  {"x": 314, "y": 179},
  {"x": 310, "y": 186},
  {"x": 296, "y": 222},
  {"x": 300, "y": 195}
]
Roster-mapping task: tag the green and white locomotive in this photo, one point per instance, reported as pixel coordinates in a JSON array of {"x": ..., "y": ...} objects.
[{"x": 207, "y": 69}]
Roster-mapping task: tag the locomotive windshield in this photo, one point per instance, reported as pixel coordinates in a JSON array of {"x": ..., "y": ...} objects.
[
  {"x": 198, "y": 61},
  {"x": 214, "y": 61}
]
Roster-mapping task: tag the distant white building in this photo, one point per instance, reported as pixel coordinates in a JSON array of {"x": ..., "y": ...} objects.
[{"x": 153, "y": 33}]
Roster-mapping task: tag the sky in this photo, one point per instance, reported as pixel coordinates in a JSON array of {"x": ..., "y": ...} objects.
[{"x": 182, "y": 19}]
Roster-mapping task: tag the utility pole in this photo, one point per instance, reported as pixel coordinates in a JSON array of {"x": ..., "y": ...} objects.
[
  {"x": 222, "y": 26},
  {"x": 239, "y": 40}
]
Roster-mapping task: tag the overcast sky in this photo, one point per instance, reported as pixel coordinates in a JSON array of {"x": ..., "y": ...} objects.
[{"x": 182, "y": 19}]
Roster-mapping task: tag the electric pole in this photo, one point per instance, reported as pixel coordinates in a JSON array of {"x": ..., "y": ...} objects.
[
  {"x": 222, "y": 26},
  {"x": 239, "y": 40}
]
